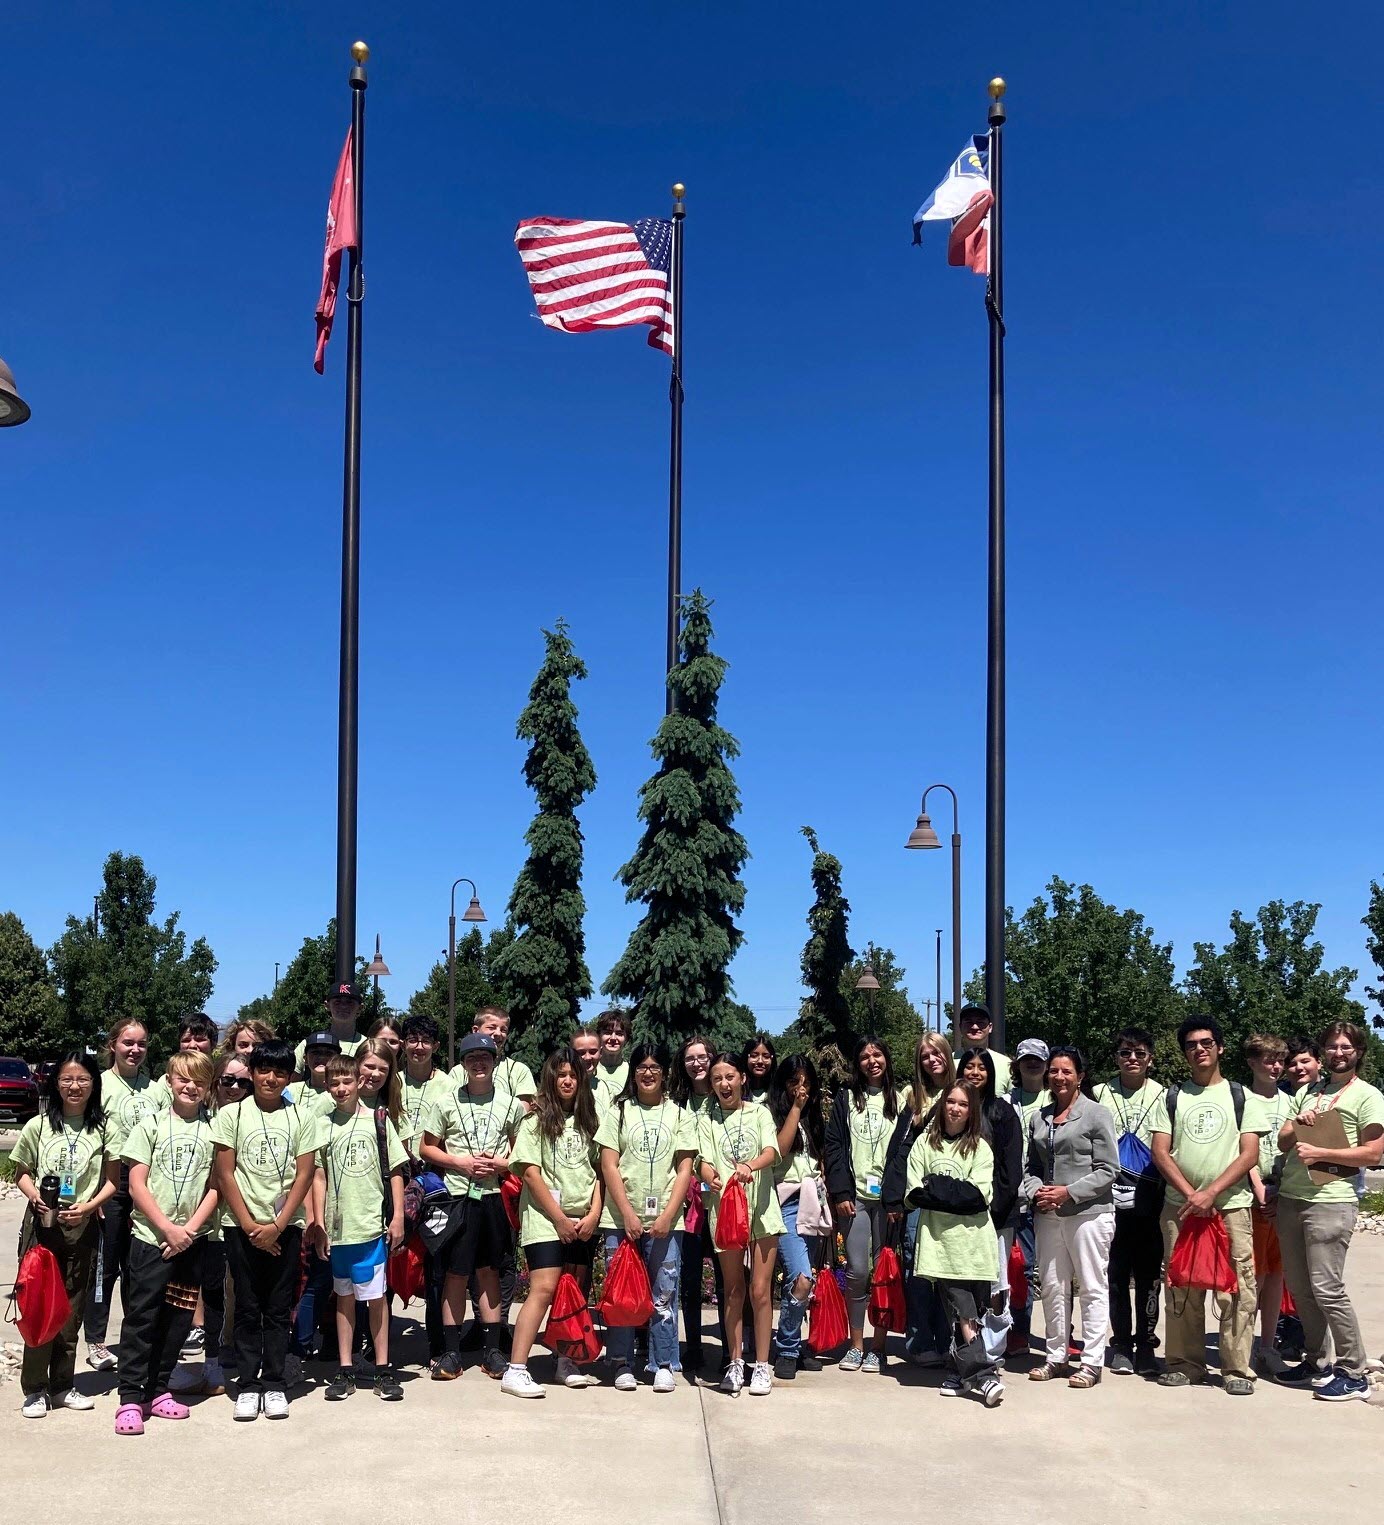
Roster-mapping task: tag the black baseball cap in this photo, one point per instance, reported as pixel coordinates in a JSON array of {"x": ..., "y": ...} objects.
[
  {"x": 477, "y": 1043},
  {"x": 343, "y": 993},
  {"x": 322, "y": 1040}
]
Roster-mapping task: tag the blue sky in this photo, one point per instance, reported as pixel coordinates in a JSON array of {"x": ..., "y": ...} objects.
[{"x": 1195, "y": 542}]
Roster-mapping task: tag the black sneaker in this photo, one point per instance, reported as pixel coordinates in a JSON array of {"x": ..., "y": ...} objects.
[
  {"x": 785, "y": 1369},
  {"x": 448, "y": 1369},
  {"x": 342, "y": 1385},
  {"x": 387, "y": 1385},
  {"x": 494, "y": 1364},
  {"x": 808, "y": 1362},
  {"x": 1302, "y": 1375},
  {"x": 1121, "y": 1364},
  {"x": 1145, "y": 1361}
]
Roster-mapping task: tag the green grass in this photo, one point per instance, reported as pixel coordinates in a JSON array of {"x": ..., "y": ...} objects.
[
  {"x": 6, "y": 1169},
  {"x": 1372, "y": 1202}
]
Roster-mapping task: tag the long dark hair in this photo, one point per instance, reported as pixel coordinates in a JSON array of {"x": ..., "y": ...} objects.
[
  {"x": 641, "y": 1053},
  {"x": 971, "y": 1134},
  {"x": 547, "y": 1104},
  {"x": 987, "y": 1091},
  {"x": 93, "y": 1114},
  {"x": 857, "y": 1082},
  {"x": 679, "y": 1086},
  {"x": 760, "y": 1040},
  {"x": 781, "y": 1102}
]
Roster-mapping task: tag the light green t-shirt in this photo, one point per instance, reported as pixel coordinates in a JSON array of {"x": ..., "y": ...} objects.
[
  {"x": 348, "y": 1048},
  {"x": 1026, "y": 1103},
  {"x": 313, "y": 1103},
  {"x": 1278, "y": 1108},
  {"x": 757, "y": 1093},
  {"x": 179, "y": 1156},
  {"x": 568, "y": 1164},
  {"x": 128, "y": 1101},
  {"x": 724, "y": 1139},
  {"x": 1205, "y": 1139},
  {"x": 348, "y": 1152},
  {"x": 650, "y": 1142},
  {"x": 268, "y": 1146},
  {"x": 600, "y": 1094},
  {"x": 870, "y": 1130},
  {"x": 954, "y": 1246},
  {"x": 1132, "y": 1110},
  {"x": 512, "y": 1076},
  {"x": 800, "y": 1165},
  {"x": 465, "y": 1124},
  {"x": 44, "y": 1152},
  {"x": 417, "y": 1097},
  {"x": 1360, "y": 1106}
]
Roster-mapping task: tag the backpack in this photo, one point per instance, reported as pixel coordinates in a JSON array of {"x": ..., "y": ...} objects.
[{"x": 1237, "y": 1100}]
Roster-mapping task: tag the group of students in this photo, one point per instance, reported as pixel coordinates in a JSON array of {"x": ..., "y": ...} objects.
[{"x": 299, "y": 1172}]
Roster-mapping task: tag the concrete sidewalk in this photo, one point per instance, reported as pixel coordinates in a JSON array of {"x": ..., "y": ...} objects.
[{"x": 824, "y": 1447}]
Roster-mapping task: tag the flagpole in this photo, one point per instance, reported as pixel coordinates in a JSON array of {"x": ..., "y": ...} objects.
[
  {"x": 995, "y": 657},
  {"x": 348, "y": 709},
  {"x": 675, "y": 450}
]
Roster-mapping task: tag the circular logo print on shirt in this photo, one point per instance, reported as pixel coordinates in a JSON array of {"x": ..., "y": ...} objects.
[
  {"x": 940, "y": 1165},
  {"x": 53, "y": 1156},
  {"x": 571, "y": 1148},
  {"x": 264, "y": 1154},
  {"x": 185, "y": 1156},
  {"x": 867, "y": 1126},
  {"x": 133, "y": 1107},
  {"x": 356, "y": 1156},
  {"x": 1205, "y": 1124}
]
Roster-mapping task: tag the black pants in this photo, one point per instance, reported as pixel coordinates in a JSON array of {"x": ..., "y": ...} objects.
[
  {"x": 158, "y": 1314},
  {"x": 1136, "y": 1254},
  {"x": 695, "y": 1248},
  {"x": 432, "y": 1306},
  {"x": 265, "y": 1288},
  {"x": 115, "y": 1252},
  {"x": 214, "y": 1298}
]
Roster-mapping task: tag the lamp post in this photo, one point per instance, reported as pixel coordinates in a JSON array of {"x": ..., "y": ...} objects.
[
  {"x": 939, "y": 979},
  {"x": 13, "y": 409},
  {"x": 869, "y": 983},
  {"x": 375, "y": 968},
  {"x": 923, "y": 836},
  {"x": 276, "y": 977},
  {"x": 472, "y": 912}
]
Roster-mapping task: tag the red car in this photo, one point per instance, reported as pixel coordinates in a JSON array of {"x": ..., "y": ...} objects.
[{"x": 18, "y": 1091}]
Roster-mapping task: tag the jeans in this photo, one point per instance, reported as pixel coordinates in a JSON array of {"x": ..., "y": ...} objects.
[
  {"x": 314, "y": 1308},
  {"x": 1075, "y": 1249},
  {"x": 694, "y": 1250},
  {"x": 1313, "y": 1238},
  {"x": 796, "y": 1255},
  {"x": 864, "y": 1236},
  {"x": 663, "y": 1261},
  {"x": 929, "y": 1332},
  {"x": 1136, "y": 1254},
  {"x": 115, "y": 1254},
  {"x": 264, "y": 1289},
  {"x": 1184, "y": 1311},
  {"x": 158, "y": 1315}
]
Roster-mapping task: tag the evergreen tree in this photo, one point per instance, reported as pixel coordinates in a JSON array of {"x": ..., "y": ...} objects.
[
  {"x": 825, "y": 1016},
  {"x": 31, "y": 1024},
  {"x": 1373, "y": 923},
  {"x": 544, "y": 967},
  {"x": 686, "y": 868}
]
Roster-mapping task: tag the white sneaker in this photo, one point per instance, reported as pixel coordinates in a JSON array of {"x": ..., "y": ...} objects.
[
  {"x": 571, "y": 1375},
  {"x": 275, "y": 1404},
  {"x": 665, "y": 1381},
  {"x": 35, "y": 1406},
  {"x": 734, "y": 1378},
  {"x": 952, "y": 1387},
  {"x": 518, "y": 1383},
  {"x": 100, "y": 1359},
  {"x": 247, "y": 1406},
  {"x": 72, "y": 1399},
  {"x": 761, "y": 1380},
  {"x": 991, "y": 1390},
  {"x": 625, "y": 1380}
]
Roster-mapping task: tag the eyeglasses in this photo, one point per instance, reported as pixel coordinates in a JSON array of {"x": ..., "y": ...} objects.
[
  {"x": 1192, "y": 1043},
  {"x": 230, "y": 1082},
  {"x": 649, "y": 1069}
]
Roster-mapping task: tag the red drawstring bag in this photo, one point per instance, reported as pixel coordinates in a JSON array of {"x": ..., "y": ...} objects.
[
  {"x": 403, "y": 1273},
  {"x": 569, "y": 1331},
  {"x": 827, "y": 1326},
  {"x": 1201, "y": 1256},
  {"x": 626, "y": 1301},
  {"x": 888, "y": 1309},
  {"x": 40, "y": 1296},
  {"x": 1018, "y": 1278},
  {"x": 510, "y": 1188},
  {"x": 1289, "y": 1307},
  {"x": 733, "y": 1218}
]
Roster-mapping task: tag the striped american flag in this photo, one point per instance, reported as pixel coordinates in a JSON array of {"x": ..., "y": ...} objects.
[{"x": 588, "y": 275}]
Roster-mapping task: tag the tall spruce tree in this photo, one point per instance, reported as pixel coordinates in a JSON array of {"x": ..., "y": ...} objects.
[
  {"x": 544, "y": 968},
  {"x": 686, "y": 868},
  {"x": 825, "y": 1015}
]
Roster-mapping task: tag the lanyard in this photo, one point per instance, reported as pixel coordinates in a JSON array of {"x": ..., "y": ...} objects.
[
  {"x": 1123, "y": 1103},
  {"x": 269, "y": 1148},
  {"x": 476, "y": 1146},
  {"x": 180, "y": 1186},
  {"x": 335, "y": 1155},
  {"x": 1331, "y": 1105},
  {"x": 418, "y": 1105},
  {"x": 650, "y": 1141},
  {"x": 876, "y": 1141}
]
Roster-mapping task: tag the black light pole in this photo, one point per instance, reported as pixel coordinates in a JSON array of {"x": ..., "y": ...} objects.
[
  {"x": 276, "y": 978},
  {"x": 675, "y": 447},
  {"x": 995, "y": 664},
  {"x": 472, "y": 913},
  {"x": 348, "y": 706},
  {"x": 939, "y": 979}
]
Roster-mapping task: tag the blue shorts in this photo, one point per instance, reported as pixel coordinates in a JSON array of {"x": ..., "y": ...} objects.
[{"x": 358, "y": 1270}]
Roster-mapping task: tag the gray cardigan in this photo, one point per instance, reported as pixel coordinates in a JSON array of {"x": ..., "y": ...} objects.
[{"x": 1082, "y": 1156}]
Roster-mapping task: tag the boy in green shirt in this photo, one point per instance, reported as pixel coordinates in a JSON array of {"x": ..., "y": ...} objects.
[
  {"x": 349, "y": 1197},
  {"x": 343, "y": 1009},
  {"x": 1266, "y": 1056},
  {"x": 613, "y": 1033},
  {"x": 311, "y": 1092}
]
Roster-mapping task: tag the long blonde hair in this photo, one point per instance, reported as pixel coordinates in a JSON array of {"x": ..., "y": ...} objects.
[
  {"x": 390, "y": 1095},
  {"x": 924, "y": 1096}
]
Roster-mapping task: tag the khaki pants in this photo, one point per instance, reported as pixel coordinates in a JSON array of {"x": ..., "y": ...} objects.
[{"x": 1185, "y": 1307}]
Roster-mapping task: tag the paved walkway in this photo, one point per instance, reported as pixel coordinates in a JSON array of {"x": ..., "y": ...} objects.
[{"x": 830, "y": 1446}]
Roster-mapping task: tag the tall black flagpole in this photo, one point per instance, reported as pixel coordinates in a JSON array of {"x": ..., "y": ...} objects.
[
  {"x": 675, "y": 450},
  {"x": 348, "y": 723},
  {"x": 994, "y": 688}
]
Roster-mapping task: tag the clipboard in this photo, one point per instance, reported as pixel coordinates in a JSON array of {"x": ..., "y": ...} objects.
[{"x": 1328, "y": 1132}]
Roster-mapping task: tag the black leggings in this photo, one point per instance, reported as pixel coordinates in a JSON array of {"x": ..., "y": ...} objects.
[
  {"x": 115, "y": 1254},
  {"x": 695, "y": 1248}
]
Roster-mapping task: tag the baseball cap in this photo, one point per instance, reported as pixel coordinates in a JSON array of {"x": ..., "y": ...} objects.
[
  {"x": 343, "y": 992},
  {"x": 1033, "y": 1048},
  {"x": 477, "y": 1043},
  {"x": 322, "y": 1040},
  {"x": 974, "y": 1014}
]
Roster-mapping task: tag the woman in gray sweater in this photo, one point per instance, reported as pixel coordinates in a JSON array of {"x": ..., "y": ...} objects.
[{"x": 1071, "y": 1168}]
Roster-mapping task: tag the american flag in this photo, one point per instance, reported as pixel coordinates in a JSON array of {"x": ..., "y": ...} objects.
[{"x": 587, "y": 275}]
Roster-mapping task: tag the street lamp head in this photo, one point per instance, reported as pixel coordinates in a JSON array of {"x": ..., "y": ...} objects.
[
  {"x": 923, "y": 835},
  {"x": 473, "y": 911},
  {"x": 867, "y": 980},
  {"x": 377, "y": 968},
  {"x": 360, "y": 52},
  {"x": 13, "y": 409}
]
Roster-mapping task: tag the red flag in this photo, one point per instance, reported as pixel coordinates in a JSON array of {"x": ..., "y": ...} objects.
[{"x": 341, "y": 234}]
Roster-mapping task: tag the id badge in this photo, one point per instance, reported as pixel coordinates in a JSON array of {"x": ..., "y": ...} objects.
[
  {"x": 872, "y": 1187},
  {"x": 279, "y": 1203},
  {"x": 67, "y": 1187},
  {"x": 336, "y": 1227},
  {"x": 651, "y": 1207}
]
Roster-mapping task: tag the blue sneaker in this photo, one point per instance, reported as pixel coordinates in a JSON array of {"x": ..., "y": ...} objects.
[
  {"x": 1343, "y": 1387},
  {"x": 1305, "y": 1374}
]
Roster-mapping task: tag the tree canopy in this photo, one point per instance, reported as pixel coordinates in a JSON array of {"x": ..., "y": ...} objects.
[{"x": 825, "y": 1014}]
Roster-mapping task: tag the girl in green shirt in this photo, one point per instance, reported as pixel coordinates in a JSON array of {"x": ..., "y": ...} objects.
[
  {"x": 759, "y": 1064},
  {"x": 690, "y": 1087},
  {"x": 554, "y": 1155},
  {"x": 67, "y": 1140},
  {"x": 737, "y": 1141}
]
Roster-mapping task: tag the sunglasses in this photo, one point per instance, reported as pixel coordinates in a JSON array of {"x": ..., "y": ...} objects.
[
  {"x": 1131, "y": 1053},
  {"x": 1192, "y": 1043},
  {"x": 233, "y": 1082}
]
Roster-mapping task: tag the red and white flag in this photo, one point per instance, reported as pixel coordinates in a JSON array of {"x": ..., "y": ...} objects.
[{"x": 341, "y": 234}]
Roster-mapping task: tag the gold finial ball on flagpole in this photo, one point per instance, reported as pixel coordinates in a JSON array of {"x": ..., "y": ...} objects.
[
  {"x": 359, "y": 52},
  {"x": 679, "y": 191},
  {"x": 996, "y": 88}
]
